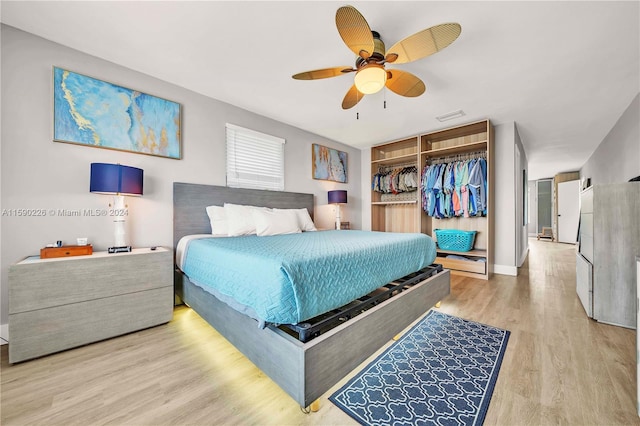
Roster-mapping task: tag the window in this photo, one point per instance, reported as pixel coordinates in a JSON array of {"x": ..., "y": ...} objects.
[{"x": 254, "y": 159}]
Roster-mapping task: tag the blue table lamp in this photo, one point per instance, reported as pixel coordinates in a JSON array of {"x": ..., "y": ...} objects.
[
  {"x": 337, "y": 197},
  {"x": 117, "y": 180}
]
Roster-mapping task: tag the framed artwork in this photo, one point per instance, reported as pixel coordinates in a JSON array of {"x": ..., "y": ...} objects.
[
  {"x": 329, "y": 164},
  {"x": 92, "y": 112}
]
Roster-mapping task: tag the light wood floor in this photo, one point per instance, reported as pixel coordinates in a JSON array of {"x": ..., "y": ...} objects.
[{"x": 559, "y": 367}]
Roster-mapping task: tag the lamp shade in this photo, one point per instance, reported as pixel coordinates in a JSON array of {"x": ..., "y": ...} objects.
[
  {"x": 116, "y": 179},
  {"x": 370, "y": 79},
  {"x": 337, "y": 197}
]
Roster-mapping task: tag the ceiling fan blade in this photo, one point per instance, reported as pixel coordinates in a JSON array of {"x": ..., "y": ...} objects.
[
  {"x": 404, "y": 83},
  {"x": 355, "y": 31},
  {"x": 352, "y": 97},
  {"x": 425, "y": 42},
  {"x": 323, "y": 73}
]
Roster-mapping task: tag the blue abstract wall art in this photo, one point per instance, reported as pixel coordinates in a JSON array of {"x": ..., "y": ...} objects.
[
  {"x": 96, "y": 113},
  {"x": 329, "y": 164}
]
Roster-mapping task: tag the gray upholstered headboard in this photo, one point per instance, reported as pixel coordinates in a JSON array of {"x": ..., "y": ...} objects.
[{"x": 190, "y": 201}]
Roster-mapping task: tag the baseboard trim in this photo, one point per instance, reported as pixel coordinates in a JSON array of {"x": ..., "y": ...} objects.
[
  {"x": 4, "y": 334},
  {"x": 505, "y": 270}
]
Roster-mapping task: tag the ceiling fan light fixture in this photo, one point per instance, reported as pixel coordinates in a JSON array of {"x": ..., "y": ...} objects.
[
  {"x": 371, "y": 57},
  {"x": 371, "y": 79}
]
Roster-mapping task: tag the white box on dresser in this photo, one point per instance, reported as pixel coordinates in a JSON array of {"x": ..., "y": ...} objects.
[{"x": 61, "y": 303}]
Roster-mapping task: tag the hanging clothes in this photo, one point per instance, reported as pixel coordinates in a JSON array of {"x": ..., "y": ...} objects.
[
  {"x": 463, "y": 188},
  {"x": 472, "y": 197},
  {"x": 483, "y": 166},
  {"x": 396, "y": 180},
  {"x": 455, "y": 188},
  {"x": 477, "y": 187},
  {"x": 430, "y": 177},
  {"x": 448, "y": 187},
  {"x": 457, "y": 202}
]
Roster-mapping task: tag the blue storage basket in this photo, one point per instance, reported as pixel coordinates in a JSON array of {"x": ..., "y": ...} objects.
[{"x": 455, "y": 239}]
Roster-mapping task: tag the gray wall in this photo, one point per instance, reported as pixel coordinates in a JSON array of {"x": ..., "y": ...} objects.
[
  {"x": 505, "y": 199},
  {"x": 617, "y": 158},
  {"x": 521, "y": 173},
  {"x": 40, "y": 174},
  {"x": 511, "y": 243}
]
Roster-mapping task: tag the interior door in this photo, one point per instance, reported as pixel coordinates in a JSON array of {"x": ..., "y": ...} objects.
[{"x": 568, "y": 211}]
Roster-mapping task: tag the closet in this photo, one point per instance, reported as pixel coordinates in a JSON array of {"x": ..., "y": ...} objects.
[
  {"x": 402, "y": 211},
  {"x": 397, "y": 212}
]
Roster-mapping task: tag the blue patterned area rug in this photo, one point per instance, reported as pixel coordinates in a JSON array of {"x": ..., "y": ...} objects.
[{"x": 441, "y": 372}]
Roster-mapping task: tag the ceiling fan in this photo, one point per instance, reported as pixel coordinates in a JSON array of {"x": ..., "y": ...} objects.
[{"x": 371, "y": 75}]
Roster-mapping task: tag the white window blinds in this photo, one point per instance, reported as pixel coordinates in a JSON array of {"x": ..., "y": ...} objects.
[{"x": 254, "y": 159}]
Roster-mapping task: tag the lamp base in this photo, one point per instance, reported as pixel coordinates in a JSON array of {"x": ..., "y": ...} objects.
[
  {"x": 120, "y": 222},
  {"x": 119, "y": 249}
]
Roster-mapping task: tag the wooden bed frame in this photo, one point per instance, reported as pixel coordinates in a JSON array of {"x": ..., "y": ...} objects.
[{"x": 305, "y": 371}]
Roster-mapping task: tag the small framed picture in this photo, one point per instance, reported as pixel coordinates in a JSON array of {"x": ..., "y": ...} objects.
[{"x": 329, "y": 164}]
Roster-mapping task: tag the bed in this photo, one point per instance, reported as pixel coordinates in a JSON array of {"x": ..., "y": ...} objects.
[{"x": 313, "y": 366}]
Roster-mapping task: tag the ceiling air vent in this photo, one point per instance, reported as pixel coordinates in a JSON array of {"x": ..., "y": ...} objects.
[{"x": 450, "y": 115}]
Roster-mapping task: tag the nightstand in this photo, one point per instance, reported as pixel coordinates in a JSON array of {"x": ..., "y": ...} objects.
[{"x": 61, "y": 303}]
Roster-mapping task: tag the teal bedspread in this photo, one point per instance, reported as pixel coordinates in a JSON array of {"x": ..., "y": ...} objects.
[{"x": 286, "y": 279}]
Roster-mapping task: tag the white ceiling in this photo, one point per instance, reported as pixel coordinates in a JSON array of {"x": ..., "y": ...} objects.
[{"x": 563, "y": 71}]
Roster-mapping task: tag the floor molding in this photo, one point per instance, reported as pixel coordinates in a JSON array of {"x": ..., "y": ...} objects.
[{"x": 505, "y": 270}]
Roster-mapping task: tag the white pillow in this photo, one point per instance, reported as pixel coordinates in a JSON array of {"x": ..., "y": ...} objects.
[
  {"x": 304, "y": 219},
  {"x": 275, "y": 222},
  {"x": 239, "y": 219},
  {"x": 218, "y": 219}
]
